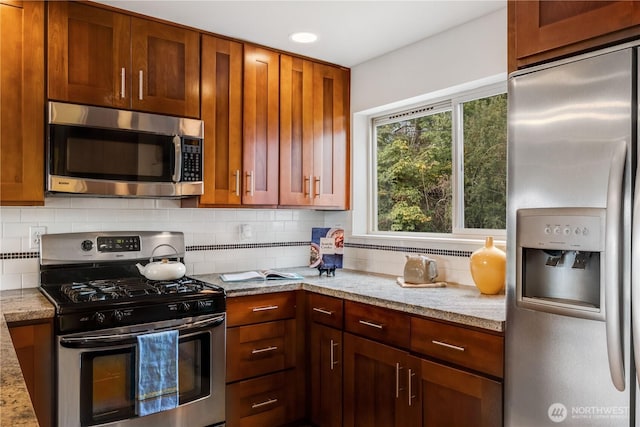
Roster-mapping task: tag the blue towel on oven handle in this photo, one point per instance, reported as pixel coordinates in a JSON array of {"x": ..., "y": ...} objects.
[{"x": 157, "y": 371}]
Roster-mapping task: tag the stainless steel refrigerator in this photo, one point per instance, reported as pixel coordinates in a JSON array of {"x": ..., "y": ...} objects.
[{"x": 571, "y": 171}]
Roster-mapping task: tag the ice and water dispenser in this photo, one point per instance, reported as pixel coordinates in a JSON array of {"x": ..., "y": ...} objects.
[{"x": 560, "y": 255}]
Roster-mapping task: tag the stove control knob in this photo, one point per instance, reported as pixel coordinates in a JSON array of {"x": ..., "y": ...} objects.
[
  {"x": 86, "y": 245},
  {"x": 201, "y": 305},
  {"x": 117, "y": 314},
  {"x": 99, "y": 318},
  {"x": 184, "y": 307}
]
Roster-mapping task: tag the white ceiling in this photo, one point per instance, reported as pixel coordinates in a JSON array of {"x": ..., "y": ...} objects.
[{"x": 350, "y": 32}]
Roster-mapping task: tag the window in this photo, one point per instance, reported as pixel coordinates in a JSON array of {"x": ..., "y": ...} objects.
[{"x": 441, "y": 167}]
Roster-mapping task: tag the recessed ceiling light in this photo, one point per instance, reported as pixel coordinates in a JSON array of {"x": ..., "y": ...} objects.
[{"x": 303, "y": 37}]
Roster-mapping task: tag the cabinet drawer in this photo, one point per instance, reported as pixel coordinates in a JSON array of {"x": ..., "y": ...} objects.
[
  {"x": 260, "y": 308},
  {"x": 381, "y": 324},
  {"x": 326, "y": 310},
  {"x": 261, "y": 402},
  {"x": 260, "y": 349},
  {"x": 469, "y": 348}
]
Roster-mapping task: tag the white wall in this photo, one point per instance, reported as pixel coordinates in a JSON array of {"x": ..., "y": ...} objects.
[
  {"x": 468, "y": 56},
  {"x": 470, "y": 52}
]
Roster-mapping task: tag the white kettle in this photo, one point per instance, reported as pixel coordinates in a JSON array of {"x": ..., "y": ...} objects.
[{"x": 163, "y": 269}]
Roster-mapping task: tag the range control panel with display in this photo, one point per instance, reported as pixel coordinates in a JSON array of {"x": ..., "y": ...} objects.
[{"x": 118, "y": 243}]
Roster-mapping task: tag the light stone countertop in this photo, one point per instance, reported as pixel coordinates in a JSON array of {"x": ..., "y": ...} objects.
[
  {"x": 17, "y": 306},
  {"x": 456, "y": 303}
]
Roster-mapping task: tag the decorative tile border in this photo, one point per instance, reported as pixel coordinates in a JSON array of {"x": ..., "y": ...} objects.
[
  {"x": 426, "y": 251},
  {"x": 231, "y": 246},
  {"x": 228, "y": 246},
  {"x": 19, "y": 255}
]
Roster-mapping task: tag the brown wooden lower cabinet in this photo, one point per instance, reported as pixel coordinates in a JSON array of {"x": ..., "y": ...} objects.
[
  {"x": 266, "y": 401},
  {"x": 34, "y": 348},
  {"x": 325, "y": 349},
  {"x": 380, "y": 385},
  {"x": 389, "y": 387},
  {"x": 451, "y": 397}
]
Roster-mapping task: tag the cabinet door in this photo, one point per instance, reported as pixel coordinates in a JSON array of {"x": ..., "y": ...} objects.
[
  {"x": 166, "y": 68},
  {"x": 265, "y": 401},
  {"x": 326, "y": 376},
  {"x": 222, "y": 113},
  {"x": 296, "y": 131},
  {"x": 260, "y": 349},
  {"x": 451, "y": 397},
  {"x": 330, "y": 126},
  {"x": 375, "y": 385},
  {"x": 261, "y": 126},
  {"x": 544, "y": 25},
  {"x": 34, "y": 347},
  {"x": 22, "y": 103},
  {"x": 89, "y": 55}
]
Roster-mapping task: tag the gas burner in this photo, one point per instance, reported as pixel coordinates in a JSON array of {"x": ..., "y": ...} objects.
[
  {"x": 135, "y": 287},
  {"x": 178, "y": 286}
]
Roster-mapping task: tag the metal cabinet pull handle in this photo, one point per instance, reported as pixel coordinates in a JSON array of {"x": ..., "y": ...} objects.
[
  {"x": 451, "y": 346},
  {"x": 250, "y": 183},
  {"x": 263, "y": 350},
  {"x": 123, "y": 81},
  {"x": 323, "y": 311},
  {"x": 410, "y": 380},
  {"x": 265, "y": 308},
  {"x": 236, "y": 174},
  {"x": 140, "y": 83},
  {"x": 398, "y": 368},
  {"x": 265, "y": 403},
  {"x": 373, "y": 325},
  {"x": 317, "y": 187},
  {"x": 306, "y": 185},
  {"x": 332, "y": 356}
]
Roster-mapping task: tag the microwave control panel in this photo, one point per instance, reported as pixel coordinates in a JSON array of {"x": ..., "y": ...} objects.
[{"x": 191, "y": 159}]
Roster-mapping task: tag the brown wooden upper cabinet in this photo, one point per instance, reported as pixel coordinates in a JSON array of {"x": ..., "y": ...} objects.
[
  {"x": 540, "y": 30},
  {"x": 101, "y": 57},
  {"x": 222, "y": 112},
  {"x": 260, "y": 126},
  {"x": 314, "y": 109},
  {"x": 22, "y": 103}
]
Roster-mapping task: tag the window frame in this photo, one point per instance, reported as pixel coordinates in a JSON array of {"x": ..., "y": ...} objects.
[{"x": 455, "y": 101}]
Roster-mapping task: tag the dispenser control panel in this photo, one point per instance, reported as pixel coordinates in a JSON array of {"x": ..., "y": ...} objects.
[{"x": 561, "y": 228}]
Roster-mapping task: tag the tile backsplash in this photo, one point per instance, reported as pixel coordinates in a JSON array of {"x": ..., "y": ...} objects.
[{"x": 277, "y": 238}]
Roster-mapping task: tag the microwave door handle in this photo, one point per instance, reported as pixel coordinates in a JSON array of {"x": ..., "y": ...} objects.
[
  {"x": 612, "y": 265},
  {"x": 177, "y": 167},
  {"x": 113, "y": 340}
]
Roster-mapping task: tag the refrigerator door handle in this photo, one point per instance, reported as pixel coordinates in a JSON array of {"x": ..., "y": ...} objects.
[
  {"x": 612, "y": 265},
  {"x": 635, "y": 276}
]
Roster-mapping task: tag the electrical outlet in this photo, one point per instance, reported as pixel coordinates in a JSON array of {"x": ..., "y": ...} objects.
[
  {"x": 34, "y": 236},
  {"x": 246, "y": 232}
]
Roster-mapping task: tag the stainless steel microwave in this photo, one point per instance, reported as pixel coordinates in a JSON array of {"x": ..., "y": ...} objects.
[{"x": 119, "y": 153}]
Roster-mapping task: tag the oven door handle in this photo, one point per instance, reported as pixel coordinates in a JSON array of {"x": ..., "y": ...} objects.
[{"x": 93, "y": 341}]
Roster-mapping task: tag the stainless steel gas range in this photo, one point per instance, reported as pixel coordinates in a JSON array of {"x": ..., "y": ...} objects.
[{"x": 115, "y": 329}]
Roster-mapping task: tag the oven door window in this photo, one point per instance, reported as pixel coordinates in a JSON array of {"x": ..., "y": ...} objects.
[
  {"x": 93, "y": 153},
  {"x": 108, "y": 384},
  {"x": 107, "y": 388}
]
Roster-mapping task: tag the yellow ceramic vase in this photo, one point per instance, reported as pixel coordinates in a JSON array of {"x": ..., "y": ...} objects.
[{"x": 488, "y": 268}]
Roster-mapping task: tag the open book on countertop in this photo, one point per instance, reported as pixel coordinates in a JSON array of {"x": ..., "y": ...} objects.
[{"x": 259, "y": 275}]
